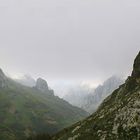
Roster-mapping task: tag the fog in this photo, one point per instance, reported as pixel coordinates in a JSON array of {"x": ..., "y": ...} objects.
[{"x": 69, "y": 40}]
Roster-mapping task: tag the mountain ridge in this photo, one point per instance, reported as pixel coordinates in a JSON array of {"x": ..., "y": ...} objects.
[
  {"x": 101, "y": 92},
  {"x": 117, "y": 118},
  {"x": 28, "y": 110}
]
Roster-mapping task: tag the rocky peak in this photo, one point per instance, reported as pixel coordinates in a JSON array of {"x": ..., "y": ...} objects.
[
  {"x": 2, "y": 79},
  {"x": 134, "y": 80},
  {"x": 42, "y": 85},
  {"x": 136, "y": 67}
]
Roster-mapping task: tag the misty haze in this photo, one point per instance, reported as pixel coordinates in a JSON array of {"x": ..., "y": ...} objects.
[{"x": 69, "y": 70}]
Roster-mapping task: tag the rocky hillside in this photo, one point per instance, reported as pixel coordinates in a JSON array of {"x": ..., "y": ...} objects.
[
  {"x": 25, "y": 111},
  {"x": 117, "y": 118}
]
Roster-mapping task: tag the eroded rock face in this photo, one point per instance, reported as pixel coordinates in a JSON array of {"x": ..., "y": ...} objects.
[
  {"x": 42, "y": 85},
  {"x": 134, "y": 79},
  {"x": 136, "y": 67},
  {"x": 2, "y": 79}
]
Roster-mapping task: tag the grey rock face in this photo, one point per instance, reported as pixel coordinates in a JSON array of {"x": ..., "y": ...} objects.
[
  {"x": 136, "y": 67},
  {"x": 134, "y": 79},
  {"x": 88, "y": 98},
  {"x": 42, "y": 85},
  {"x": 101, "y": 92}
]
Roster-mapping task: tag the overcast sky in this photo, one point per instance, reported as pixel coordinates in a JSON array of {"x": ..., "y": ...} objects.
[{"x": 78, "y": 40}]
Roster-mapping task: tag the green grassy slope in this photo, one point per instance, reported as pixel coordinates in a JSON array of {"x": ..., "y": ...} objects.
[{"x": 25, "y": 111}]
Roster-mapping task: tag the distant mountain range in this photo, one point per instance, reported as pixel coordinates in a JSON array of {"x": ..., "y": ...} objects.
[
  {"x": 82, "y": 96},
  {"x": 30, "y": 110},
  {"x": 117, "y": 118},
  {"x": 88, "y": 98},
  {"x": 77, "y": 95},
  {"x": 94, "y": 99}
]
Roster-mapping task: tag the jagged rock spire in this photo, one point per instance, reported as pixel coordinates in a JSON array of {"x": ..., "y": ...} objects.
[
  {"x": 136, "y": 67},
  {"x": 42, "y": 85}
]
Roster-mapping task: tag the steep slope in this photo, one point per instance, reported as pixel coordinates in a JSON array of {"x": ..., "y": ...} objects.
[
  {"x": 94, "y": 99},
  {"x": 118, "y": 117},
  {"x": 25, "y": 111}
]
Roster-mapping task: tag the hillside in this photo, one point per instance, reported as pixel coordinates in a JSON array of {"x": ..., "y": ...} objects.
[
  {"x": 25, "y": 111},
  {"x": 117, "y": 118}
]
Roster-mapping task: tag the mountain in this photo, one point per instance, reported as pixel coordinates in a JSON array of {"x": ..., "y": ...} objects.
[
  {"x": 77, "y": 95},
  {"x": 81, "y": 96},
  {"x": 42, "y": 85},
  {"x": 88, "y": 98},
  {"x": 94, "y": 99},
  {"x": 117, "y": 118},
  {"x": 30, "y": 110}
]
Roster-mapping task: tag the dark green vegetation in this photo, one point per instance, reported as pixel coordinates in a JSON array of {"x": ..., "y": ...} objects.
[
  {"x": 26, "y": 111},
  {"x": 117, "y": 118},
  {"x": 40, "y": 137}
]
